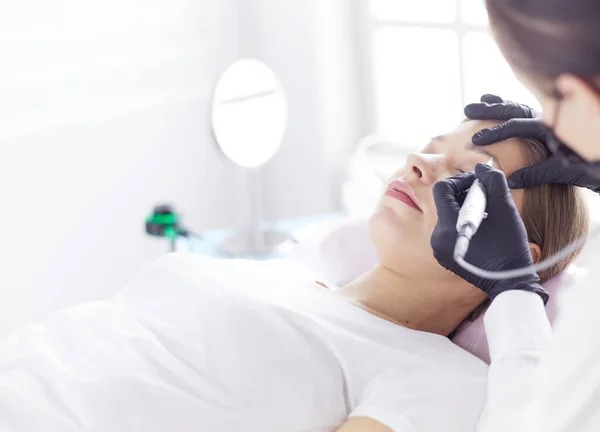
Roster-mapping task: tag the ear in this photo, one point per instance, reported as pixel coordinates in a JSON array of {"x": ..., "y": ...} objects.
[
  {"x": 574, "y": 88},
  {"x": 536, "y": 252}
]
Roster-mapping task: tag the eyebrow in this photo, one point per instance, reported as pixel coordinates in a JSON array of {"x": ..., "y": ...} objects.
[{"x": 470, "y": 146}]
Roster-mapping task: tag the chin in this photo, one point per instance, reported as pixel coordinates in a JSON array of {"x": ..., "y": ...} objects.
[{"x": 395, "y": 240}]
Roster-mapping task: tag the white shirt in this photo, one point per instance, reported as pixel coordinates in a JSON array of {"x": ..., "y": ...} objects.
[
  {"x": 539, "y": 380},
  {"x": 200, "y": 345}
]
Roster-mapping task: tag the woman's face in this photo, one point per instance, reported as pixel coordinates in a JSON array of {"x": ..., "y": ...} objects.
[{"x": 401, "y": 229}]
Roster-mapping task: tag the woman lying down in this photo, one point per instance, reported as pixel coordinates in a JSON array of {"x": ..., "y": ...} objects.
[{"x": 202, "y": 345}]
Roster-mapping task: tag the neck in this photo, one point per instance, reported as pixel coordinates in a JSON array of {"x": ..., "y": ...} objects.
[{"x": 413, "y": 300}]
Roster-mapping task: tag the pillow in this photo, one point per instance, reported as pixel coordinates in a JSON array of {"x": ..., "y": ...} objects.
[
  {"x": 341, "y": 251},
  {"x": 470, "y": 335}
]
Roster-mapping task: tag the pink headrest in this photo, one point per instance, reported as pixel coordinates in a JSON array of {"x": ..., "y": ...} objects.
[
  {"x": 471, "y": 335},
  {"x": 339, "y": 251}
]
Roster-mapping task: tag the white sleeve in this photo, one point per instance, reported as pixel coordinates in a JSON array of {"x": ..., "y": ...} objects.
[
  {"x": 380, "y": 401},
  {"x": 571, "y": 367},
  {"x": 429, "y": 402},
  {"x": 518, "y": 334}
]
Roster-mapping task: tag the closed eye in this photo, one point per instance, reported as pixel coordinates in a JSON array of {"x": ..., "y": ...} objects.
[{"x": 460, "y": 171}]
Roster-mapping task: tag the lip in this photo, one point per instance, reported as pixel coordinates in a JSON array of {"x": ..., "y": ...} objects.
[{"x": 402, "y": 191}]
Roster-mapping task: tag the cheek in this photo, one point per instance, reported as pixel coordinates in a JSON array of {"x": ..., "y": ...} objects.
[
  {"x": 548, "y": 111},
  {"x": 578, "y": 127},
  {"x": 519, "y": 197}
]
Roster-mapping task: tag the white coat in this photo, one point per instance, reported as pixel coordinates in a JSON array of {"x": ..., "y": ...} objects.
[{"x": 539, "y": 379}]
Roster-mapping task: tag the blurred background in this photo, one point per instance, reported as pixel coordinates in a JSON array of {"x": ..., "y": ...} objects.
[{"x": 105, "y": 113}]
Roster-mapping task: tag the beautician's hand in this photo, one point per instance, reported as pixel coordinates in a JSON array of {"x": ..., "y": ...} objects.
[
  {"x": 500, "y": 243},
  {"x": 521, "y": 121}
]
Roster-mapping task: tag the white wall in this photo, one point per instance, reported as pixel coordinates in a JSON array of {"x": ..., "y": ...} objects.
[
  {"x": 310, "y": 45},
  {"x": 94, "y": 132}
]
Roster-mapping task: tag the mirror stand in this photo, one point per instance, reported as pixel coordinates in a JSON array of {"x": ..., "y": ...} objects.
[
  {"x": 256, "y": 240},
  {"x": 249, "y": 119}
]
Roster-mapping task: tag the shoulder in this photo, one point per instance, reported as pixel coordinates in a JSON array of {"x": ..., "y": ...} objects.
[{"x": 440, "y": 355}]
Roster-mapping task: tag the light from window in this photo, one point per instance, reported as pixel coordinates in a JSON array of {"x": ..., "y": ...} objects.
[
  {"x": 430, "y": 58},
  {"x": 473, "y": 12},
  {"x": 416, "y": 89},
  {"x": 410, "y": 10},
  {"x": 486, "y": 71}
]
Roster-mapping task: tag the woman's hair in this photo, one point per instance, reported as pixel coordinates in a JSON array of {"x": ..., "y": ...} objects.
[
  {"x": 546, "y": 38},
  {"x": 554, "y": 215}
]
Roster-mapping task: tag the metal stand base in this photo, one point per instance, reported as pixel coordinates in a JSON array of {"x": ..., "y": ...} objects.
[{"x": 245, "y": 244}]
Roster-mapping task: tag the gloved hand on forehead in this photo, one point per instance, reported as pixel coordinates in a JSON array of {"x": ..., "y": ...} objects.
[
  {"x": 501, "y": 242},
  {"x": 521, "y": 121}
]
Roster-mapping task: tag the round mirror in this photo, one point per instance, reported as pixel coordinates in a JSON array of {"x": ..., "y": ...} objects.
[
  {"x": 249, "y": 113},
  {"x": 249, "y": 118}
]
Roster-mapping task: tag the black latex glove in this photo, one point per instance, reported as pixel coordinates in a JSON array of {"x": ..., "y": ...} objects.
[
  {"x": 500, "y": 243},
  {"x": 521, "y": 121}
]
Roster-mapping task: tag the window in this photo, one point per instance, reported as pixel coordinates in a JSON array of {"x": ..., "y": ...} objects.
[{"x": 429, "y": 59}]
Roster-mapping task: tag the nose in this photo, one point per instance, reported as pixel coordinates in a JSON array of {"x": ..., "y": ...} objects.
[{"x": 425, "y": 168}]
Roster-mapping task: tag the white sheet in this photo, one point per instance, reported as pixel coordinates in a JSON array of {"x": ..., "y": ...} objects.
[
  {"x": 101, "y": 366},
  {"x": 200, "y": 345}
]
